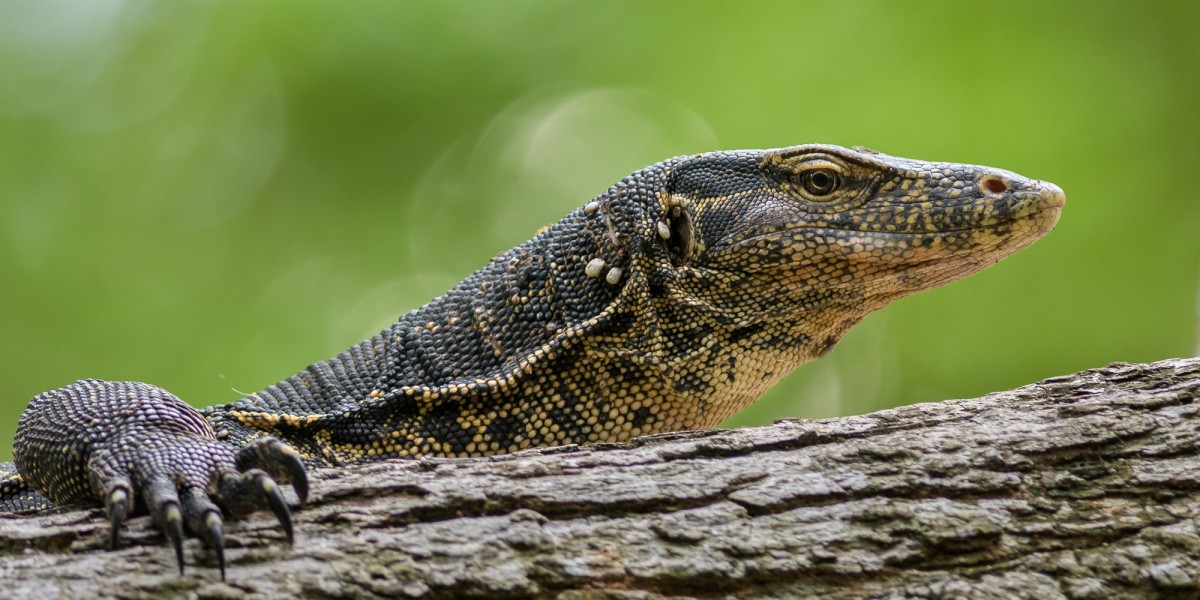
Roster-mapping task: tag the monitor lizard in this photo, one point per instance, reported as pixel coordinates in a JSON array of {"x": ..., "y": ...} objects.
[{"x": 670, "y": 301}]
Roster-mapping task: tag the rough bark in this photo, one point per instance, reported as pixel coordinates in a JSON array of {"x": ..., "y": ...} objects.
[{"x": 1082, "y": 486}]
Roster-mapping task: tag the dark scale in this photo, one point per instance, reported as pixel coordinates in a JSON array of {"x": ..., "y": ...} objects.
[{"x": 671, "y": 301}]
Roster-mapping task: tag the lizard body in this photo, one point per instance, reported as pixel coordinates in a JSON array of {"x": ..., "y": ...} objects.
[{"x": 671, "y": 301}]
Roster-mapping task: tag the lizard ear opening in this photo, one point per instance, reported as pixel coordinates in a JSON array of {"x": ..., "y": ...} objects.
[{"x": 682, "y": 239}]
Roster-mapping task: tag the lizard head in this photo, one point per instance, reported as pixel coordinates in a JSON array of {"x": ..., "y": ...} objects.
[{"x": 810, "y": 228}]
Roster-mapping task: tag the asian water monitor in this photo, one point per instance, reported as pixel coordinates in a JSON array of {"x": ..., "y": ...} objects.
[{"x": 670, "y": 301}]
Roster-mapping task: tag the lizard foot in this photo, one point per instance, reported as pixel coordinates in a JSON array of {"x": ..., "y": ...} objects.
[{"x": 135, "y": 445}]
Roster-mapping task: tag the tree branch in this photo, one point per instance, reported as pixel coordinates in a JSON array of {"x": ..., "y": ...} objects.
[{"x": 1082, "y": 486}]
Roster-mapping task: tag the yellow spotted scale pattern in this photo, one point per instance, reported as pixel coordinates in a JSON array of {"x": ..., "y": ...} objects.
[{"x": 671, "y": 301}]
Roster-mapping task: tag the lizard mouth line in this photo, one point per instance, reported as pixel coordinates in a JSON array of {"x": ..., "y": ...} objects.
[
  {"x": 887, "y": 234},
  {"x": 1033, "y": 207}
]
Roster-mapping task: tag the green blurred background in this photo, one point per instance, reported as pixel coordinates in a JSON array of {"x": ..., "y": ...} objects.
[{"x": 209, "y": 196}]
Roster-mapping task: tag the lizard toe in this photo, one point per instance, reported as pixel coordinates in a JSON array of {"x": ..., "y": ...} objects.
[
  {"x": 253, "y": 490},
  {"x": 163, "y": 503},
  {"x": 116, "y": 505},
  {"x": 216, "y": 539},
  {"x": 203, "y": 520},
  {"x": 278, "y": 460}
]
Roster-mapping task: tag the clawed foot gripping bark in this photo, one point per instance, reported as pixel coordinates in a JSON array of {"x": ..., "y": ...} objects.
[{"x": 1082, "y": 486}]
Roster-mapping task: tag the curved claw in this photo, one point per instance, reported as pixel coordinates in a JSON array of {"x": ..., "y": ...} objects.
[
  {"x": 174, "y": 526},
  {"x": 278, "y": 506},
  {"x": 278, "y": 460},
  {"x": 216, "y": 539},
  {"x": 203, "y": 518},
  {"x": 299, "y": 478},
  {"x": 117, "y": 505}
]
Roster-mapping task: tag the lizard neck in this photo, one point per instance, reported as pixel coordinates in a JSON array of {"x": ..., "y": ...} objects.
[{"x": 510, "y": 357}]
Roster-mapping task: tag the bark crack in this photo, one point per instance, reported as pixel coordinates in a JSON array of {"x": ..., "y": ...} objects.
[{"x": 1081, "y": 486}]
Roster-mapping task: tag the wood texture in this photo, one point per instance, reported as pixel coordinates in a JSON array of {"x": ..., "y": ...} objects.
[{"x": 1082, "y": 486}]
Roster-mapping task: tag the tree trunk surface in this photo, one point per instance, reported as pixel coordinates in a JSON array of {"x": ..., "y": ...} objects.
[{"x": 1081, "y": 486}]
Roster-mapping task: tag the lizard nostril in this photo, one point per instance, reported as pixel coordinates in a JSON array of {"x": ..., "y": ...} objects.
[{"x": 994, "y": 185}]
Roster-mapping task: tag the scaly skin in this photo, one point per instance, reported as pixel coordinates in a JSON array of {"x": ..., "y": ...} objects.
[{"x": 671, "y": 301}]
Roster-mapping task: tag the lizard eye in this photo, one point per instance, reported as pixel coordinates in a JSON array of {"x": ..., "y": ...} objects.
[{"x": 820, "y": 182}]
